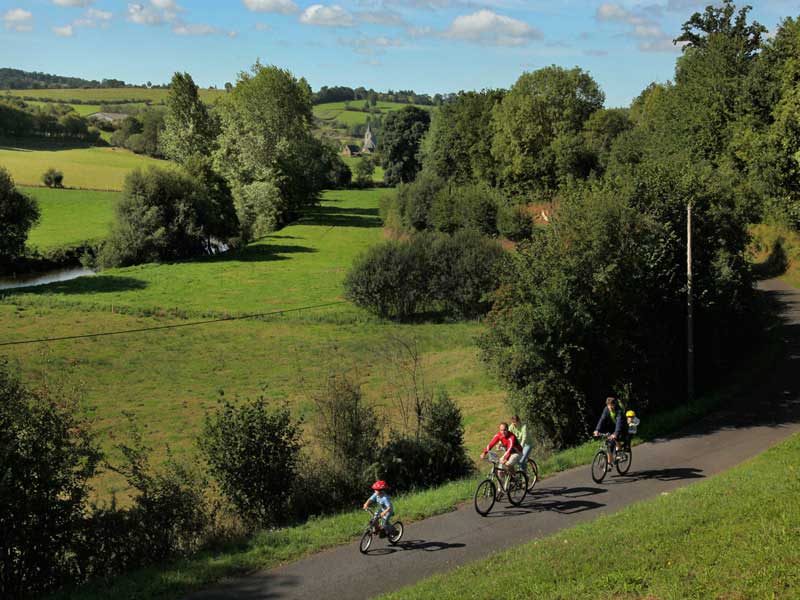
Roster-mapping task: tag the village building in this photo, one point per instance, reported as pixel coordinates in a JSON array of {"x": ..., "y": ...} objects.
[{"x": 350, "y": 150}]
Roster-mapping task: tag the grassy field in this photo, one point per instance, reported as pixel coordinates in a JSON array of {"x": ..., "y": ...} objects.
[
  {"x": 736, "y": 535},
  {"x": 71, "y": 216},
  {"x": 81, "y": 109},
  {"x": 91, "y": 167},
  {"x": 103, "y": 95},
  {"x": 335, "y": 111},
  {"x": 169, "y": 379},
  {"x": 352, "y": 161}
]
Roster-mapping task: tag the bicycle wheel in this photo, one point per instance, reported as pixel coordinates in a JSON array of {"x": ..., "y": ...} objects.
[
  {"x": 484, "y": 497},
  {"x": 533, "y": 473},
  {"x": 624, "y": 465},
  {"x": 599, "y": 466},
  {"x": 517, "y": 488},
  {"x": 397, "y": 534},
  {"x": 366, "y": 541}
]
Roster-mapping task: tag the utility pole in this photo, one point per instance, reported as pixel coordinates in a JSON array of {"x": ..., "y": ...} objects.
[{"x": 689, "y": 307}]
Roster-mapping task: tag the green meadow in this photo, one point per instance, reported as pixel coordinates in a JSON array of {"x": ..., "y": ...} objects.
[
  {"x": 352, "y": 162},
  {"x": 168, "y": 379},
  {"x": 105, "y": 95},
  {"x": 71, "y": 216},
  {"x": 84, "y": 166},
  {"x": 336, "y": 111}
]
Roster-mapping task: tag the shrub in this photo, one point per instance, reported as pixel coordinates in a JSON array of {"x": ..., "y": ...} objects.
[
  {"x": 365, "y": 169},
  {"x": 252, "y": 452},
  {"x": 260, "y": 207},
  {"x": 465, "y": 207},
  {"x": 18, "y": 213},
  {"x": 53, "y": 178},
  {"x": 443, "y": 430},
  {"x": 48, "y": 458},
  {"x": 414, "y": 200},
  {"x": 515, "y": 223},
  {"x": 391, "y": 279}
]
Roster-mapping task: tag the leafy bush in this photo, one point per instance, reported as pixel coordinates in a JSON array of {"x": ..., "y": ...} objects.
[
  {"x": 365, "y": 169},
  {"x": 47, "y": 458},
  {"x": 414, "y": 200},
  {"x": 465, "y": 207},
  {"x": 515, "y": 223},
  {"x": 401, "y": 278},
  {"x": 391, "y": 279},
  {"x": 261, "y": 208},
  {"x": 53, "y": 178},
  {"x": 252, "y": 452}
]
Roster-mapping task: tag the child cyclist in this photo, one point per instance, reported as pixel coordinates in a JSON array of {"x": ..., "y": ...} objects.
[{"x": 382, "y": 499}]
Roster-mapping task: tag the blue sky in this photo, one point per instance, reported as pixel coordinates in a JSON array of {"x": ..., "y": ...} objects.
[{"x": 426, "y": 45}]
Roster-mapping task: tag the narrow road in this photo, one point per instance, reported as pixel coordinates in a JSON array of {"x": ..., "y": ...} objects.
[{"x": 741, "y": 430}]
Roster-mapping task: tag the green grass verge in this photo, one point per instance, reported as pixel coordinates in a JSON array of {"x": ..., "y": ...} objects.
[
  {"x": 736, "y": 535},
  {"x": 90, "y": 167},
  {"x": 71, "y": 216}
]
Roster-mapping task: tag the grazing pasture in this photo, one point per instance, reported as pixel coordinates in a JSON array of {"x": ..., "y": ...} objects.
[
  {"x": 71, "y": 216},
  {"x": 84, "y": 166},
  {"x": 336, "y": 111},
  {"x": 168, "y": 379},
  {"x": 103, "y": 95}
]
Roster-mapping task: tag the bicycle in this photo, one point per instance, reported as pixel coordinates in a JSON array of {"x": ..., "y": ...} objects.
[
  {"x": 491, "y": 489},
  {"x": 374, "y": 528},
  {"x": 532, "y": 473},
  {"x": 622, "y": 458}
]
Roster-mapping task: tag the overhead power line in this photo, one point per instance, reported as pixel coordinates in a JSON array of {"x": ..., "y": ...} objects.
[{"x": 173, "y": 326}]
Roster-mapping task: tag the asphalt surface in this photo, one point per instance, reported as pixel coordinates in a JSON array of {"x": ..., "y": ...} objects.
[{"x": 743, "y": 428}]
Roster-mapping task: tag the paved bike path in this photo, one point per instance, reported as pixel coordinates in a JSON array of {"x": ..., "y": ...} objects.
[{"x": 744, "y": 428}]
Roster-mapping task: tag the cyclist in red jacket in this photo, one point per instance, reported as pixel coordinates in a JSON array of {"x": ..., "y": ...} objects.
[{"x": 509, "y": 441}]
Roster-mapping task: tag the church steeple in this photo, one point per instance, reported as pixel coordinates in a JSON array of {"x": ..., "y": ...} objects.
[{"x": 368, "y": 147}]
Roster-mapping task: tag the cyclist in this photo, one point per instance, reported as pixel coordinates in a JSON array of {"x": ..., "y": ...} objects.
[
  {"x": 520, "y": 431},
  {"x": 382, "y": 499},
  {"x": 509, "y": 441},
  {"x": 614, "y": 414}
]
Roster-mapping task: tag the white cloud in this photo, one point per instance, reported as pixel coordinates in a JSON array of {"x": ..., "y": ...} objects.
[
  {"x": 144, "y": 15},
  {"x": 488, "y": 28},
  {"x": 168, "y": 5},
  {"x": 99, "y": 15},
  {"x": 73, "y": 3},
  {"x": 65, "y": 31},
  {"x": 17, "y": 19},
  {"x": 327, "y": 16},
  {"x": 643, "y": 27},
  {"x": 194, "y": 29},
  {"x": 371, "y": 46},
  {"x": 381, "y": 17},
  {"x": 263, "y": 27},
  {"x": 615, "y": 13},
  {"x": 284, "y": 7}
]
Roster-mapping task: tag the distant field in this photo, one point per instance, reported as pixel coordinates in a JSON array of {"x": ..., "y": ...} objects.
[
  {"x": 335, "y": 111},
  {"x": 168, "y": 379},
  {"x": 81, "y": 109},
  {"x": 101, "y": 95},
  {"x": 83, "y": 166},
  {"x": 71, "y": 216}
]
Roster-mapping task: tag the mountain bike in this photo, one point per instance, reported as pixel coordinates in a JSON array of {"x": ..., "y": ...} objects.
[
  {"x": 374, "y": 529},
  {"x": 622, "y": 458},
  {"x": 491, "y": 489},
  {"x": 532, "y": 473}
]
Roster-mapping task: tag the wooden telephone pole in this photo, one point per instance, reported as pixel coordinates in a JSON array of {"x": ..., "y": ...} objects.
[{"x": 690, "y": 308}]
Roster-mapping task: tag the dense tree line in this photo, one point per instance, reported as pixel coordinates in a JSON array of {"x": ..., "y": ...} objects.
[
  {"x": 18, "y": 119},
  {"x": 343, "y": 93},
  {"x": 16, "y": 79}
]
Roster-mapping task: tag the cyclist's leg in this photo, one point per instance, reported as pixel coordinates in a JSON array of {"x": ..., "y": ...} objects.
[
  {"x": 523, "y": 462},
  {"x": 511, "y": 466},
  {"x": 386, "y": 523}
]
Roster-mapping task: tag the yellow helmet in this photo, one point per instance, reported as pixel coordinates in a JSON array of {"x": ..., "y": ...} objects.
[{"x": 630, "y": 413}]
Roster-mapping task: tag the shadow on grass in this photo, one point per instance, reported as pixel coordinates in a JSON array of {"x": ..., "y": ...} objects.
[
  {"x": 45, "y": 144},
  {"x": 261, "y": 253},
  {"x": 334, "y": 216},
  {"x": 99, "y": 284},
  {"x": 775, "y": 264}
]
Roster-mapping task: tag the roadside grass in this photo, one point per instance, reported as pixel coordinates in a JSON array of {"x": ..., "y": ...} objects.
[
  {"x": 84, "y": 166},
  {"x": 776, "y": 252},
  {"x": 735, "y": 535},
  {"x": 268, "y": 549},
  {"x": 71, "y": 216},
  {"x": 104, "y": 95}
]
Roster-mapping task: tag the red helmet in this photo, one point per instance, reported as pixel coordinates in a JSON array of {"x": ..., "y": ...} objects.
[{"x": 380, "y": 485}]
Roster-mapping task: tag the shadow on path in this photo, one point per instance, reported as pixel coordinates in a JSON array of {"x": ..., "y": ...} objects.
[{"x": 422, "y": 545}]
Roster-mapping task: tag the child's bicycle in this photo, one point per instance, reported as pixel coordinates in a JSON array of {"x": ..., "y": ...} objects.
[
  {"x": 622, "y": 458},
  {"x": 491, "y": 489},
  {"x": 375, "y": 529}
]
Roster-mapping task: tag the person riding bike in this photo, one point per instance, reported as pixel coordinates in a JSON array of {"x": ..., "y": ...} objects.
[
  {"x": 520, "y": 431},
  {"x": 382, "y": 499},
  {"x": 614, "y": 415},
  {"x": 509, "y": 441}
]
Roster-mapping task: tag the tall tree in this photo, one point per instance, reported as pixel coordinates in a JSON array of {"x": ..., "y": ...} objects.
[
  {"x": 18, "y": 213},
  {"x": 537, "y": 128},
  {"x": 188, "y": 128},
  {"x": 401, "y": 136}
]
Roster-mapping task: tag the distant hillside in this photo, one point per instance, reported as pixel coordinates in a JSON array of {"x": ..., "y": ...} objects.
[{"x": 16, "y": 79}]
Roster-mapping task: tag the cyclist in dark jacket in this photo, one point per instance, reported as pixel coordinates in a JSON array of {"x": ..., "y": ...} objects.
[{"x": 614, "y": 416}]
